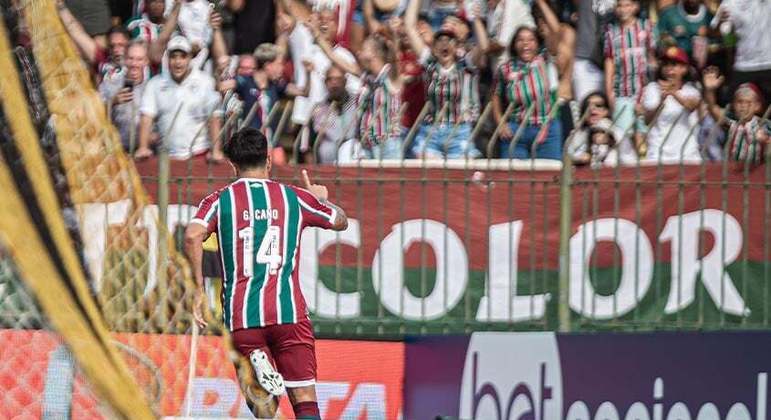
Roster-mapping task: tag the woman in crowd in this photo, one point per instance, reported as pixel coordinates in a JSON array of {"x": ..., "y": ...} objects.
[
  {"x": 596, "y": 141},
  {"x": 530, "y": 78},
  {"x": 452, "y": 90},
  {"x": 379, "y": 102}
]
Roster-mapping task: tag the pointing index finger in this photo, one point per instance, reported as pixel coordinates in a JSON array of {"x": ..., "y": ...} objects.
[{"x": 306, "y": 179}]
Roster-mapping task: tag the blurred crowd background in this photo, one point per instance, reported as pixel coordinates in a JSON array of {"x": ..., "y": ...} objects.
[{"x": 331, "y": 81}]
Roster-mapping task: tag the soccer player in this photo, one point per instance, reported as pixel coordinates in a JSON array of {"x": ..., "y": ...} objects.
[{"x": 259, "y": 224}]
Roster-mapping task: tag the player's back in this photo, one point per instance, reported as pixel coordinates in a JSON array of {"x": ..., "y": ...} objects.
[{"x": 258, "y": 224}]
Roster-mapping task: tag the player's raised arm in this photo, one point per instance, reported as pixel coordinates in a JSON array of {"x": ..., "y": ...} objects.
[{"x": 338, "y": 220}]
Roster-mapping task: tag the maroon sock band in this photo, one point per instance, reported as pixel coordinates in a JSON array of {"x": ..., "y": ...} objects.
[{"x": 306, "y": 410}]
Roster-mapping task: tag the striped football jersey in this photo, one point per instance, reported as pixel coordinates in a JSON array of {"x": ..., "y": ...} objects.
[
  {"x": 629, "y": 48},
  {"x": 258, "y": 224},
  {"x": 524, "y": 84}
]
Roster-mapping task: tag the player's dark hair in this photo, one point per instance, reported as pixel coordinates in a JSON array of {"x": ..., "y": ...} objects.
[{"x": 247, "y": 148}]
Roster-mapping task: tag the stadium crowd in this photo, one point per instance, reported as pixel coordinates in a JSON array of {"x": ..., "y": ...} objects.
[{"x": 610, "y": 81}]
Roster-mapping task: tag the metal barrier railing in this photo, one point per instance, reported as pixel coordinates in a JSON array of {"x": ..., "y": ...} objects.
[{"x": 452, "y": 246}]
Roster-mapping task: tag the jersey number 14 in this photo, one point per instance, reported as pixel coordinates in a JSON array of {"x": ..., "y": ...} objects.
[{"x": 269, "y": 252}]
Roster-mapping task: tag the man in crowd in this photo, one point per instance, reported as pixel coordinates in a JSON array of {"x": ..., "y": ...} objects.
[
  {"x": 304, "y": 45},
  {"x": 123, "y": 93},
  {"x": 184, "y": 103},
  {"x": 333, "y": 122},
  {"x": 107, "y": 62}
]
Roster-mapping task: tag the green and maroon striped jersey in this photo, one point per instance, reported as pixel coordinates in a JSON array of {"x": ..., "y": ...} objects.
[
  {"x": 528, "y": 83},
  {"x": 744, "y": 143},
  {"x": 629, "y": 47},
  {"x": 258, "y": 224},
  {"x": 457, "y": 87}
]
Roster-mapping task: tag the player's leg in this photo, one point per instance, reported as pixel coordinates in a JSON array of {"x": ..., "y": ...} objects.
[
  {"x": 304, "y": 403},
  {"x": 259, "y": 381},
  {"x": 293, "y": 347}
]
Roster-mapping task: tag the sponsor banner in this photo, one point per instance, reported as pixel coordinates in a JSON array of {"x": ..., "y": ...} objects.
[
  {"x": 547, "y": 376},
  {"x": 356, "y": 379},
  {"x": 432, "y": 257}
]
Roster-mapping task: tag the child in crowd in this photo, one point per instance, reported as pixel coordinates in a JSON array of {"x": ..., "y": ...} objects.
[
  {"x": 629, "y": 48},
  {"x": 748, "y": 134},
  {"x": 594, "y": 143}
]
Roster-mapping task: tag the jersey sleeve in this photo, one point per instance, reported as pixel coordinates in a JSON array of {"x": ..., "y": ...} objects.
[
  {"x": 206, "y": 215},
  {"x": 314, "y": 212}
]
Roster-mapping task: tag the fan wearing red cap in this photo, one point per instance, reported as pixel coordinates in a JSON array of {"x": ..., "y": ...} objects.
[
  {"x": 747, "y": 134},
  {"x": 670, "y": 109}
]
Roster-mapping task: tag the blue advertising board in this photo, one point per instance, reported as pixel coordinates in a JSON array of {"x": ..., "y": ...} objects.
[{"x": 547, "y": 376}]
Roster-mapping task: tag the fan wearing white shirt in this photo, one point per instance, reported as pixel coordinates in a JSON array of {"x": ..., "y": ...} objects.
[
  {"x": 672, "y": 136},
  {"x": 304, "y": 48},
  {"x": 193, "y": 93}
]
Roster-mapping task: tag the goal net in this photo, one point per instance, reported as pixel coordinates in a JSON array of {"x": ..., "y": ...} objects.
[{"x": 95, "y": 316}]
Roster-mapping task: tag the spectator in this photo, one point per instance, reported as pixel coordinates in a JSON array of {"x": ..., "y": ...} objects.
[
  {"x": 350, "y": 21},
  {"x": 750, "y": 20},
  {"x": 147, "y": 26},
  {"x": 333, "y": 122},
  {"x": 261, "y": 91},
  {"x": 593, "y": 16},
  {"x": 315, "y": 43},
  {"x": 158, "y": 53},
  {"x": 630, "y": 49},
  {"x": 168, "y": 29},
  {"x": 748, "y": 134},
  {"x": 190, "y": 91},
  {"x": 193, "y": 22},
  {"x": 560, "y": 37},
  {"x": 529, "y": 79},
  {"x": 673, "y": 103},
  {"x": 124, "y": 93},
  {"x": 596, "y": 142},
  {"x": 253, "y": 23},
  {"x": 106, "y": 63},
  {"x": 506, "y": 18},
  {"x": 685, "y": 24},
  {"x": 379, "y": 101},
  {"x": 414, "y": 89},
  {"x": 452, "y": 83}
]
